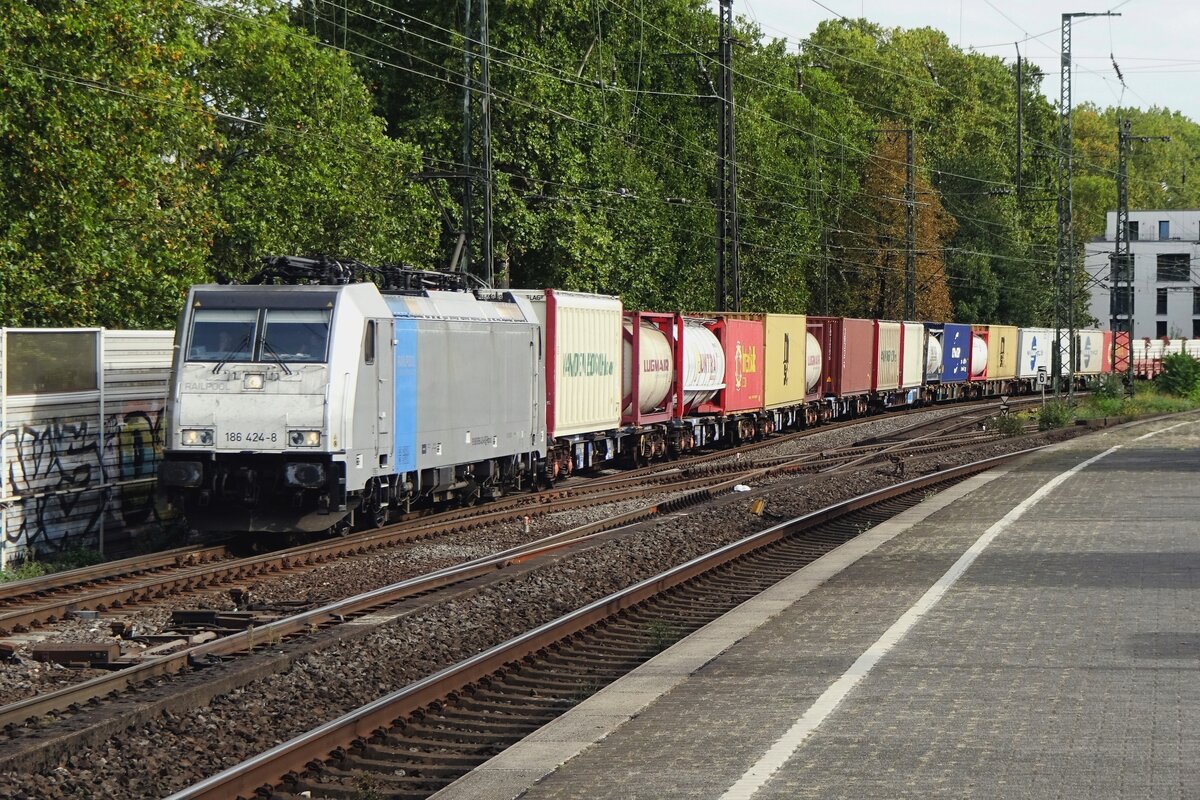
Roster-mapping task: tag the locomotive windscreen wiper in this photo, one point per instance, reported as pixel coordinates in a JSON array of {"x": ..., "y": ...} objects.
[
  {"x": 230, "y": 353},
  {"x": 266, "y": 346}
]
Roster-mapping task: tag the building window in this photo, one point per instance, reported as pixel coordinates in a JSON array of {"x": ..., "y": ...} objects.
[
  {"x": 1160, "y": 306},
  {"x": 1164, "y": 229},
  {"x": 1119, "y": 324},
  {"x": 1121, "y": 268},
  {"x": 1160, "y": 329},
  {"x": 1196, "y": 301},
  {"x": 1196, "y": 329},
  {"x": 1120, "y": 300},
  {"x": 1174, "y": 266},
  {"x": 1131, "y": 232}
]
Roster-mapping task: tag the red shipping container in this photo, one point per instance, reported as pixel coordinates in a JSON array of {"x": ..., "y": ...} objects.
[
  {"x": 742, "y": 343},
  {"x": 1106, "y": 357},
  {"x": 847, "y": 354}
]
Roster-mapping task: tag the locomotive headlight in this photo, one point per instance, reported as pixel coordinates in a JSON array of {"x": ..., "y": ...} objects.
[
  {"x": 304, "y": 438},
  {"x": 196, "y": 437},
  {"x": 253, "y": 380}
]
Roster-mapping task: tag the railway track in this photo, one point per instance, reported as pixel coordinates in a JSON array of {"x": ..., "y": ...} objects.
[
  {"x": 117, "y": 585},
  {"x": 413, "y": 742},
  {"x": 188, "y": 654}
]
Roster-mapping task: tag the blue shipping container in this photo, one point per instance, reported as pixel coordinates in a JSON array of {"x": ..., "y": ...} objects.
[{"x": 956, "y": 352}]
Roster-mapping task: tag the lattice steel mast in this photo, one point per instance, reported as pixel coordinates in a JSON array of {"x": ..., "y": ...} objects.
[
  {"x": 729, "y": 291},
  {"x": 1064, "y": 268}
]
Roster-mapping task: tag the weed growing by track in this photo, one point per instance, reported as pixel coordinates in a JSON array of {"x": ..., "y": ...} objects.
[
  {"x": 1148, "y": 399},
  {"x": 31, "y": 567}
]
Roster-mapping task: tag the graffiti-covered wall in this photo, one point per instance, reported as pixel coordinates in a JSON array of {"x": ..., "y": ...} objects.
[{"x": 81, "y": 415}]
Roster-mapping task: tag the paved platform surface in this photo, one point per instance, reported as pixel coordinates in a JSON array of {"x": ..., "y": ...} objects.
[{"x": 1032, "y": 633}]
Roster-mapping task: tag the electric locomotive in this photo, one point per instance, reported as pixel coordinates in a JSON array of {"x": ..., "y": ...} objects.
[{"x": 311, "y": 407}]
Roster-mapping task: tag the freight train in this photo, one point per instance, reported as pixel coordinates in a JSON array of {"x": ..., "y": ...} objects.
[{"x": 317, "y": 407}]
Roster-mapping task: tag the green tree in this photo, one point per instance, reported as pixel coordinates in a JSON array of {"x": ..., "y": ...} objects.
[
  {"x": 106, "y": 212},
  {"x": 304, "y": 164}
]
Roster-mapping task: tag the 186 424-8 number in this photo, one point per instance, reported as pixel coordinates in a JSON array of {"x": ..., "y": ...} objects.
[{"x": 251, "y": 437}]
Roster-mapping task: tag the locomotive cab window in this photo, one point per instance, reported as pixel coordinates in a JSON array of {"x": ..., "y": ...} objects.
[
  {"x": 220, "y": 334},
  {"x": 369, "y": 343},
  {"x": 295, "y": 335}
]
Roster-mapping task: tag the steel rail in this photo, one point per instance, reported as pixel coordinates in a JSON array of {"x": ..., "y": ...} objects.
[
  {"x": 110, "y": 570},
  {"x": 19, "y": 712},
  {"x": 201, "y": 577}
]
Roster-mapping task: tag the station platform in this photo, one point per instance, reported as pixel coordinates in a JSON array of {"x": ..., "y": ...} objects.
[{"x": 1033, "y": 632}]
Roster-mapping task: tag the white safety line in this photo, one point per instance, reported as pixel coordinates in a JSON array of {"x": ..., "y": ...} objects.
[{"x": 758, "y": 775}]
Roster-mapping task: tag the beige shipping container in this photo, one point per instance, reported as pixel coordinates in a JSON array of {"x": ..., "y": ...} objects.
[
  {"x": 912, "y": 359},
  {"x": 584, "y": 335},
  {"x": 1002, "y": 352},
  {"x": 887, "y": 356}
]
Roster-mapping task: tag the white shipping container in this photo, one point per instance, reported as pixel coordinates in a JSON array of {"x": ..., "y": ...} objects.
[
  {"x": 1036, "y": 348},
  {"x": 584, "y": 342},
  {"x": 1089, "y": 352},
  {"x": 887, "y": 356},
  {"x": 912, "y": 357}
]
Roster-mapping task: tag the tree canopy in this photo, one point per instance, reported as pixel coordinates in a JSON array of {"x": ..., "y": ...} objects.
[{"x": 151, "y": 146}]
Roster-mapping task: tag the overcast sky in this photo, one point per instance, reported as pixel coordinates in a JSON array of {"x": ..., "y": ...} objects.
[{"x": 1154, "y": 42}]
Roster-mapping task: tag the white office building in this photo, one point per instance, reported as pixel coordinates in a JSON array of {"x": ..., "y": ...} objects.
[{"x": 1164, "y": 247}]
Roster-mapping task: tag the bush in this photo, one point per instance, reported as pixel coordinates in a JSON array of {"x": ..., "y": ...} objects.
[
  {"x": 1010, "y": 425},
  {"x": 1109, "y": 406},
  {"x": 23, "y": 570},
  {"x": 29, "y": 566},
  {"x": 1055, "y": 414},
  {"x": 1109, "y": 386},
  {"x": 1180, "y": 375}
]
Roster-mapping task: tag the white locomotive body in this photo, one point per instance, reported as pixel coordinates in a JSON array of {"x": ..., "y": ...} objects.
[{"x": 306, "y": 408}]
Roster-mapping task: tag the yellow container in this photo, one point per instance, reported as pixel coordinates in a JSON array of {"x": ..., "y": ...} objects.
[
  {"x": 785, "y": 346},
  {"x": 1002, "y": 351}
]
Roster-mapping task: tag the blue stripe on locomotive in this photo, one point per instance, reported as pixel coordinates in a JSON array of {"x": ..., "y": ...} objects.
[
  {"x": 405, "y": 410},
  {"x": 956, "y": 352}
]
